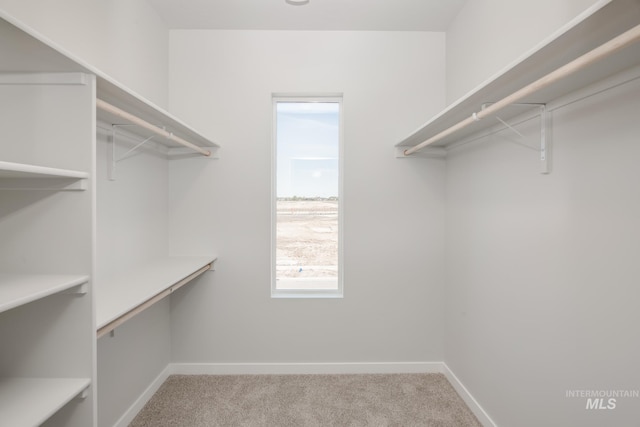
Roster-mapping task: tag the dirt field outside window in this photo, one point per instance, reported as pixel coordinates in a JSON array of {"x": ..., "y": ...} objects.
[{"x": 307, "y": 238}]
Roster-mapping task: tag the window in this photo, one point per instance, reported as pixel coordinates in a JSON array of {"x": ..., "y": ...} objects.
[{"x": 307, "y": 209}]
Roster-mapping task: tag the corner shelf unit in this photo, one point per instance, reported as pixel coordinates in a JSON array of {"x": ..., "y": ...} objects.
[
  {"x": 599, "y": 24},
  {"x": 61, "y": 101},
  {"x": 128, "y": 294},
  {"x": 32, "y": 401}
]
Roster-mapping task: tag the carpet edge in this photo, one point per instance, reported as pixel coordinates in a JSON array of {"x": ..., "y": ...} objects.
[
  {"x": 306, "y": 368},
  {"x": 468, "y": 398}
]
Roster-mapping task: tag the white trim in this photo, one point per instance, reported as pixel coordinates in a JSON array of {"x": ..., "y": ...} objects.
[
  {"x": 307, "y": 97},
  {"x": 471, "y": 402},
  {"x": 306, "y": 368},
  {"x": 142, "y": 400},
  {"x": 300, "y": 96}
]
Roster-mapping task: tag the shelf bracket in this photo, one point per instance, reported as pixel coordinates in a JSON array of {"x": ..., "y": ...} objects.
[
  {"x": 125, "y": 155},
  {"x": 83, "y": 394},
  {"x": 111, "y": 150},
  {"x": 80, "y": 289},
  {"x": 544, "y": 150}
]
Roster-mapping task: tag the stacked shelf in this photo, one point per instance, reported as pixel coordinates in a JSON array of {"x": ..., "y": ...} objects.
[
  {"x": 32, "y": 401},
  {"x": 19, "y": 176},
  {"x": 20, "y": 289},
  {"x": 48, "y": 353},
  {"x": 19, "y": 170}
]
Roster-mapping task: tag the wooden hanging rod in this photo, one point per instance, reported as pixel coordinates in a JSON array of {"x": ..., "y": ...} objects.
[
  {"x": 105, "y": 106},
  {"x": 623, "y": 40}
]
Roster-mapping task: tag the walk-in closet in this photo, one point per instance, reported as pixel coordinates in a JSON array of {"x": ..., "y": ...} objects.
[{"x": 181, "y": 246}]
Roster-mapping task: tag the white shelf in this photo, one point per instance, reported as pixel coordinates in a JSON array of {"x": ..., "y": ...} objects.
[
  {"x": 19, "y": 170},
  {"x": 20, "y": 289},
  {"x": 125, "y": 293},
  {"x": 45, "y": 56},
  {"x": 604, "y": 21},
  {"x": 19, "y": 176},
  {"x": 31, "y": 401},
  {"x": 121, "y": 97}
]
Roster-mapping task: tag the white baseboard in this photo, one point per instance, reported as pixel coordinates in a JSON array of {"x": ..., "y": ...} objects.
[
  {"x": 471, "y": 402},
  {"x": 305, "y": 368},
  {"x": 133, "y": 410}
]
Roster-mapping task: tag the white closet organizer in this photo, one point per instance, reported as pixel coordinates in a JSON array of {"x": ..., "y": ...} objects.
[
  {"x": 46, "y": 266},
  {"x": 50, "y": 107},
  {"x": 30, "y": 401},
  {"x": 597, "y": 26},
  {"x": 123, "y": 292}
]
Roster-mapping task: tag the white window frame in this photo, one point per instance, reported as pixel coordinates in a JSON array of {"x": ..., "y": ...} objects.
[{"x": 307, "y": 293}]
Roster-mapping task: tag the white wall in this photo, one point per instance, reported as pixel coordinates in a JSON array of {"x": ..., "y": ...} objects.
[
  {"x": 125, "y": 39},
  {"x": 222, "y": 81},
  {"x": 130, "y": 361},
  {"x": 542, "y": 270},
  {"x": 489, "y": 34}
]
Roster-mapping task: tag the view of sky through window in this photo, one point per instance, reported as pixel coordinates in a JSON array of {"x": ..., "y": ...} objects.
[
  {"x": 308, "y": 149},
  {"x": 307, "y": 196}
]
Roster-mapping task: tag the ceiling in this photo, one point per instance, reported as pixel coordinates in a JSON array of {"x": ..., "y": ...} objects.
[{"x": 348, "y": 15}]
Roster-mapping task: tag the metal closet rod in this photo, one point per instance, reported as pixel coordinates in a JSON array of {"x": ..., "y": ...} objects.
[
  {"x": 105, "y": 106},
  {"x": 623, "y": 40}
]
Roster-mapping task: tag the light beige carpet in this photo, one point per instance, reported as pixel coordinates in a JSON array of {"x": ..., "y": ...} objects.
[{"x": 401, "y": 400}]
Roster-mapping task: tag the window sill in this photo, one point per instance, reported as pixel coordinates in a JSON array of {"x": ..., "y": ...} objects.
[
  {"x": 286, "y": 293},
  {"x": 307, "y": 287}
]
